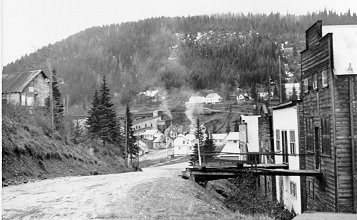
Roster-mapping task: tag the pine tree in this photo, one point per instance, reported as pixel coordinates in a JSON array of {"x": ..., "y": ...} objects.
[
  {"x": 199, "y": 137},
  {"x": 94, "y": 117},
  {"x": 283, "y": 93},
  {"x": 294, "y": 95},
  {"x": 131, "y": 144},
  {"x": 236, "y": 125},
  {"x": 77, "y": 133},
  {"x": 228, "y": 128},
  {"x": 57, "y": 103},
  {"x": 108, "y": 120},
  {"x": 253, "y": 92},
  {"x": 208, "y": 147}
]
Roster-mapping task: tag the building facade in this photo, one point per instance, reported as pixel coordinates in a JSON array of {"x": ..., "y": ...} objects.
[{"x": 328, "y": 129}]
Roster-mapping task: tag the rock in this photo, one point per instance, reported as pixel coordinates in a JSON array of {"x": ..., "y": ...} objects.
[
  {"x": 5, "y": 184},
  {"x": 94, "y": 173}
]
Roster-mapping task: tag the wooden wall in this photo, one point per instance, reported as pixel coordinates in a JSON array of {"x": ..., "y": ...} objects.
[{"x": 333, "y": 102}]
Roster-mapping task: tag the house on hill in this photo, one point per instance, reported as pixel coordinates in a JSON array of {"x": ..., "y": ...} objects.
[
  {"x": 213, "y": 98},
  {"x": 30, "y": 88}
]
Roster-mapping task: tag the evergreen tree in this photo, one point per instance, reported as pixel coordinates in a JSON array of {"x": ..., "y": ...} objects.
[
  {"x": 275, "y": 91},
  {"x": 199, "y": 137},
  {"x": 131, "y": 145},
  {"x": 228, "y": 128},
  {"x": 294, "y": 95},
  {"x": 236, "y": 125},
  {"x": 208, "y": 147},
  {"x": 108, "y": 132},
  {"x": 283, "y": 93},
  {"x": 57, "y": 103},
  {"x": 77, "y": 133},
  {"x": 253, "y": 92},
  {"x": 214, "y": 129},
  {"x": 94, "y": 117}
]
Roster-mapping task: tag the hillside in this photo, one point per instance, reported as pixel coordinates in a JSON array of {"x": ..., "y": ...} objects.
[
  {"x": 31, "y": 151},
  {"x": 198, "y": 52}
]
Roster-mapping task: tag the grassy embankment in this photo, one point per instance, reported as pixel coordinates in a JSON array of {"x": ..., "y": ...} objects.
[{"x": 32, "y": 150}]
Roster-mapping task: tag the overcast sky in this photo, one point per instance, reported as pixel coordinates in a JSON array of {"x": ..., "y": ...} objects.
[{"x": 28, "y": 25}]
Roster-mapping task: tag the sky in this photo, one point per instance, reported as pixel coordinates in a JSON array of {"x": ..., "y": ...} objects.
[{"x": 27, "y": 25}]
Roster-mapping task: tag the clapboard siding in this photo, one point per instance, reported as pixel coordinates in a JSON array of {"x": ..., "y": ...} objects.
[{"x": 334, "y": 191}]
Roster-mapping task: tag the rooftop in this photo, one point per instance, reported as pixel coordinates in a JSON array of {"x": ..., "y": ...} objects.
[{"x": 17, "y": 82}]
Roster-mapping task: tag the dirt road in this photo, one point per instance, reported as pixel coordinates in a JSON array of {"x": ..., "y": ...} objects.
[{"x": 155, "y": 193}]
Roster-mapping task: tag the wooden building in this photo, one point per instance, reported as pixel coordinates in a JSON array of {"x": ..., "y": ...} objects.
[
  {"x": 30, "y": 88},
  {"x": 328, "y": 129},
  {"x": 286, "y": 133}
]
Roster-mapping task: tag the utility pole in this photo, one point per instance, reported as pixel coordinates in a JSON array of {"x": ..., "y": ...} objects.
[{"x": 280, "y": 92}]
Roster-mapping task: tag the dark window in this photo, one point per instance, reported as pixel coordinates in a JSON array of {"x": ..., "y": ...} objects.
[
  {"x": 277, "y": 138},
  {"x": 310, "y": 188},
  {"x": 326, "y": 136},
  {"x": 293, "y": 188},
  {"x": 292, "y": 142},
  {"x": 309, "y": 134}
]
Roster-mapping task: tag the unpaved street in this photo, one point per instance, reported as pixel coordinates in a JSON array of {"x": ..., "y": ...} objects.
[{"x": 155, "y": 193}]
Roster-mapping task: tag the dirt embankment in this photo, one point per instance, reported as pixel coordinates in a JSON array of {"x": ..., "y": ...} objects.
[{"x": 31, "y": 150}]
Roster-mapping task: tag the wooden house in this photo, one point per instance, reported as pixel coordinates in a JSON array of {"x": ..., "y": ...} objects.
[
  {"x": 328, "y": 129},
  {"x": 30, "y": 88},
  {"x": 286, "y": 132}
]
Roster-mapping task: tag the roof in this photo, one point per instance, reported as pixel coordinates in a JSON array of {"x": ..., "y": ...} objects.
[
  {"x": 17, "y": 82},
  {"x": 232, "y": 136},
  {"x": 144, "y": 119},
  {"x": 213, "y": 95},
  {"x": 231, "y": 148},
  {"x": 159, "y": 139},
  {"x": 151, "y": 132},
  {"x": 285, "y": 105},
  {"x": 197, "y": 99},
  {"x": 219, "y": 136},
  {"x": 190, "y": 137},
  {"x": 344, "y": 48}
]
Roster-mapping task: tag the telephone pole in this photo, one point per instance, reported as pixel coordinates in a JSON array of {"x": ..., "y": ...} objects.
[{"x": 280, "y": 92}]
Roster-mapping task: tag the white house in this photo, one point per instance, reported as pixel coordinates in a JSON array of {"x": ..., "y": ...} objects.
[
  {"x": 252, "y": 132},
  {"x": 289, "y": 89},
  {"x": 143, "y": 148},
  {"x": 213, "y": 98},
  {"x": 219, "y": 140},
  {"x": 182, "y": 145},
  {"x": 231, "y": 147},
  {"x": 151, "y": 134},
  {"x": 159, "y": 142},
  {"x": 286, "y": 138},
  {"x": 196, "y": 99}
]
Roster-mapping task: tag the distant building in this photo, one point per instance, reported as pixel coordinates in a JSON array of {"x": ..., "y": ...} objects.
[
  {"x": 30, "y": 88},
  {"x": 213, "y": 98},
  {"x": 231, "y": 149},
  {"x": 182, "y": 145},
  {"x": 197, "y": 100},
  {"x": 151, "y": 134},
  {"x": 219, "y": 140},
  {"x": 159, "y": 142}
]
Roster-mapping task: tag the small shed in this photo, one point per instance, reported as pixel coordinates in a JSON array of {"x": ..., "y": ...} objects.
[
  {"x": 30, "y": 88},
  {"x": 213, "y": 98}
]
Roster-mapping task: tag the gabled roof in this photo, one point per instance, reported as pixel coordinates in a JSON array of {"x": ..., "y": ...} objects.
[
  {"x": 231, "y": 148},
  {"x": 232, "y": 136},
  {"x": 17, "y": 82},
  {"x": 159, "y": 139},
  {"x": 213, "y": 95},
  {"x": 219, "y": 136}
]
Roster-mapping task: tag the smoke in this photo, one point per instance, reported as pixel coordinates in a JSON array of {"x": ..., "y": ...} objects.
[{"x": 192, "y": 111}]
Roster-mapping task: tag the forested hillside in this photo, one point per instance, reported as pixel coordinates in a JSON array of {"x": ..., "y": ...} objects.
[{"x": 199, "y": 52}]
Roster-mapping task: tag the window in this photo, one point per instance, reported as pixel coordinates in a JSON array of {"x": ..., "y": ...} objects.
[
  {"x": 324, "y": 80},
  {"x": 326, "y": 137},
  {"x": 292, "y": 142},
  {"x": 235, "y": 141},
  {"x": 277, "y": 138},
  {"x": 293, "y": 188},
  {"x": 310, "y": 188},
  {"x": 309, "y": 134},
  {"x": 314, "y": 82},
  {"x": 306, "y": 85}
]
